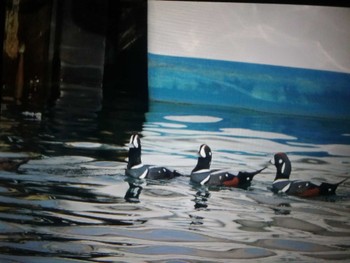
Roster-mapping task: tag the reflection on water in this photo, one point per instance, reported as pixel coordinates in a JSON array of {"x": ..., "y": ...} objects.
[{"x": 72, "y": 201}]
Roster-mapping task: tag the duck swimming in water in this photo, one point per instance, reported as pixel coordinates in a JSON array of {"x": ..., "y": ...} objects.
[
  {"x": 202, "y": 174},
  {"x": 282, "y": 183},
  {"x": 136, "y": 169}
]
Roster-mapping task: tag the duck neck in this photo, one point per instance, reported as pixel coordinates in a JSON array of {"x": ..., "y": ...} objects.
[
  {"x": 280, "y": 175},
  {"x": 283, "y": 172},
  {"x": 134, "y": 157},
  {"x": 202, "y": 163}
]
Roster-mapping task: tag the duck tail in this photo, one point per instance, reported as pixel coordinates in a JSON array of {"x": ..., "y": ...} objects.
[
  {"x": 176, "y": 173},
  {"x": 329, "y": 189},
  {"x": 258, "y": 171},
  {"x": 251, "y": 174},
  {"x": 24, "y": 161},
  {"x": 244, "y": 174},
  {"x": 342, "y": 181}
]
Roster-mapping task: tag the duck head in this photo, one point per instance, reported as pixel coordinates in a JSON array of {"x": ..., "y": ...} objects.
[
  {"x": 204, "y": 158},
  {"x": 134, "y": 151},
  {"x": 283, "y": 166}
]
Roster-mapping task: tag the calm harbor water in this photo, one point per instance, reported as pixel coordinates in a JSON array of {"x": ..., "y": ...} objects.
[{"x": 72, "y": 203}]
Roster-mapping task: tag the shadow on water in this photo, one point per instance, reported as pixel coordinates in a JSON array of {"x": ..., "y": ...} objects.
[
  {"x": 72, "y": 130},
  {"x": 73, "y": 203}
]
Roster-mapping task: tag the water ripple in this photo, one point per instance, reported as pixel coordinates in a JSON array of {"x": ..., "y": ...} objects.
[{"x": 73, "y": 203}]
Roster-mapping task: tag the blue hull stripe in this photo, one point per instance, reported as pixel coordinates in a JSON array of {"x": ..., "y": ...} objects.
[{"x": 251, "y": 86}]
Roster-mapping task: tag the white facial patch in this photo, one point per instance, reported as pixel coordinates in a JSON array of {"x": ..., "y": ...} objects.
[
  {"x": 133, "y": 141},
  {"x": 283, "y": 167},
  {"x": 202, "y": 152}
]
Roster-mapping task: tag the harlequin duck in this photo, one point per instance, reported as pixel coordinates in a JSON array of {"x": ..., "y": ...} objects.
[
  {"x": 203, "y": 175},
  {"x": 12, "y": 165},
  {"x": 282, "y": 184},
  {"x": 136, "y": 169}
]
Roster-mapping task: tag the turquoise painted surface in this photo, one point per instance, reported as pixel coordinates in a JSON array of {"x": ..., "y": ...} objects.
[{"x": 252, "y": 86}]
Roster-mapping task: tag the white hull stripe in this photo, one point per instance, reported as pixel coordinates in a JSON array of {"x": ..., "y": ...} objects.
[
  {"x": 202, "y": 171},
  {"x": 137, "y": 166},
  {"x": 143, "y": 175},
  {"x": 285, "y": 189},
  {"x": 206, "y": 179}
]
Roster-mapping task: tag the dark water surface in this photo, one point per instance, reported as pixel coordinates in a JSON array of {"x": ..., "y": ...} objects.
[{"x": 74, "y": 204}]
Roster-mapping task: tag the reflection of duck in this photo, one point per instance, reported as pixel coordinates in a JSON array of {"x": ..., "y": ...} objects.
[
  {"x": 136, "y": 169},
  {"x": 203, "y": 175},
  {"x": 282, "y": 184},
  {"x": 133, "y": 193},
  {"x": 282, "y": 209},
  {"x": 201, "y": 199},
  {"x": 11, "y": 165}
]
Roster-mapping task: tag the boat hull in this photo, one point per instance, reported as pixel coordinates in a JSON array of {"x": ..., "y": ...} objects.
[{"x": 252, "y": 86}]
